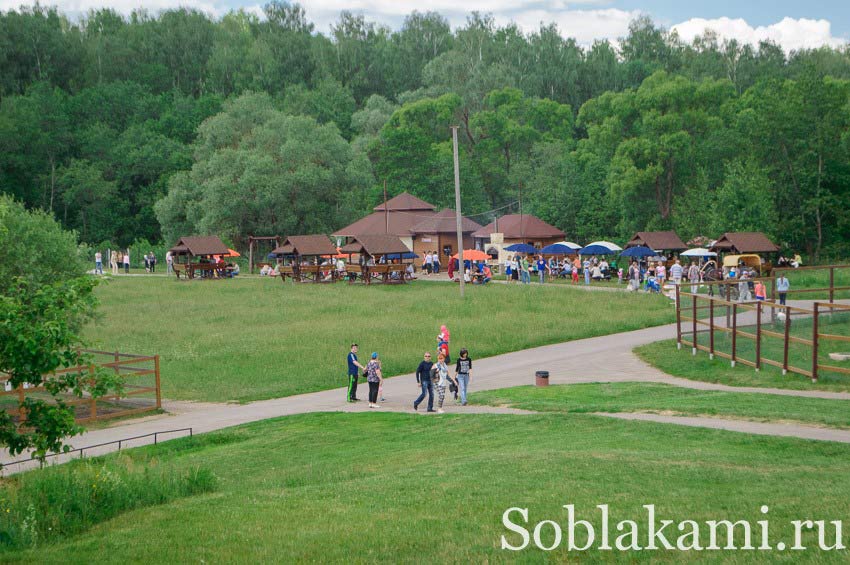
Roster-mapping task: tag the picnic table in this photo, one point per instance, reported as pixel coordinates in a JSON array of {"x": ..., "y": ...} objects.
[
  {"x": 207, "y": 270},
  {"x": 309, "y": 273}
]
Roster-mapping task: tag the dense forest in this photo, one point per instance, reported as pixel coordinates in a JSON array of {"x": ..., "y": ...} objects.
[{"x": 152, "y": 126}]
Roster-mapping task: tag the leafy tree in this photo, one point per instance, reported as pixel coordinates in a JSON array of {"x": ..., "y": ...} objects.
[{"x": 744, "y": 202}]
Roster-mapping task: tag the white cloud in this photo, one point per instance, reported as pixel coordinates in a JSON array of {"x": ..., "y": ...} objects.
[
  {"x": 585, "y": 26},
  {"x": 790, "y": 33}
]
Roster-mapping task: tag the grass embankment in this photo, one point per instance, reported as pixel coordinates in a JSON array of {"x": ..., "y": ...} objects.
[
  {"x": 661, "y": 398},
  {"x": 681, "y": 363},
  {"x": 58, "y": 502},
  {"x": 406, "y": 488},
  {"x": 250, "y": 339}
]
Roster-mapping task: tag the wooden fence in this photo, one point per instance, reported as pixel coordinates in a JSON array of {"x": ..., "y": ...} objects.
[
  {"x": 717, "y": 325},
  {"x": 141, "y": 386}
]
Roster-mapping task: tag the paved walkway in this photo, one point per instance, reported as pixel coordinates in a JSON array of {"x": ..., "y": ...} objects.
[{"x": 601, "y": 359}]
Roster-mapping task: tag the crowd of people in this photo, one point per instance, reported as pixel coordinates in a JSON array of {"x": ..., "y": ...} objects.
[{"x": 432, "y": 378}]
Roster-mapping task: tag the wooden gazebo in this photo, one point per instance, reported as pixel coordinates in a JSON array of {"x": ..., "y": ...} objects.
[
  {"x": 194, "y": 253},
  {"x": 744, "y": 242},
  {"x": 302, "y": 253},
  {"x": 376, "y": 247},
  {"x": 658, "y": 241}
]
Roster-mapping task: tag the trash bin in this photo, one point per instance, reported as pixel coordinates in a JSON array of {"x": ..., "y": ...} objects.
[{"x": 541, "y": 378}]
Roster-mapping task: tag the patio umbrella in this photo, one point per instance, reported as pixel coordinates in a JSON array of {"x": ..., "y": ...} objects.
[
  {"x": 570, "y": 244},
  {"x": 558, "y": 249},
  {"x": 698, "y": 252},
  {"x": 638, "y": 252},
  {"x": 521, "y": 248},
  {"x": 472, "y": 255},
  {"x": 231, "y": 253},
  {"x": 608, "y": 244},
  {"x": 595, "y": 249}
]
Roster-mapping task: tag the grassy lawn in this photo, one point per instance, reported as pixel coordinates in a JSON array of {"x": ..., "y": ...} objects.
[
  {"x": 681, "y": 363},
  {"x": 257, "y": 338},
  {"x": 400, "y": 488},
  {"x": 661, "y": 398}
]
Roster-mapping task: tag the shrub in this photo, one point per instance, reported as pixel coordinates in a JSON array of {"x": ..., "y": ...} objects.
[{"x": 61, "y": 501}]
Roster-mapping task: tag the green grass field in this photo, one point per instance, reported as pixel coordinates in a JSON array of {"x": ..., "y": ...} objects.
[
  {"x": 404, "y": 488},
  {"x": 255, "y": 338},
  {"x": 660, "y": 398}
]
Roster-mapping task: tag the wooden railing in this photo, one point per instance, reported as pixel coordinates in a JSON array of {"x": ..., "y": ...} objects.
[
  {"x": 700, "y": 319},
  {"x": 137, "y": 397}
]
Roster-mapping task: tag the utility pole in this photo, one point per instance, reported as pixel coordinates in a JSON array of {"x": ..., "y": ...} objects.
[
  {"x": 458, "y": 215},
  {"x": 386, "y": 209}
]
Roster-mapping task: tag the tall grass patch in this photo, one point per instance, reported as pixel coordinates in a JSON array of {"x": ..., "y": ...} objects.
[{"x": 56, "y": 502}]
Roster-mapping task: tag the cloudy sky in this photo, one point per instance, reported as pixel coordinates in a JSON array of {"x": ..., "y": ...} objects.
[{"x": 793, "y": 24}]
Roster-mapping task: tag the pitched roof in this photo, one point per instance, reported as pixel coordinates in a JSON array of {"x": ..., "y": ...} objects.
[
  {"x": 658, "y": 240},
  {"x": 202, "y": 245},
  {"x": 405, "y": 201},
  {"x": 445, "y": 222},
  {"x": 516, "y": 226},
  {"x": 306, "y": 245},
  {"x": 375, "y": 245},
  {"x": 744, "y": 242},
  {"x": 400, "y": 223}
]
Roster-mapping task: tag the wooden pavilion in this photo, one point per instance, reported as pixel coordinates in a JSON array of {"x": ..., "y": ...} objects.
[
  {"x": 744, "y": 242},
  {"x": 301, "y": 255},
  {"x": 372, "y": 249},
  {"x": 658, "y": 241},
  {"x": 195, "y": 254}
]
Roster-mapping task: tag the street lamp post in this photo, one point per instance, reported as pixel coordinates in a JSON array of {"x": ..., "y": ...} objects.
[{"x": 458, "y": 215}]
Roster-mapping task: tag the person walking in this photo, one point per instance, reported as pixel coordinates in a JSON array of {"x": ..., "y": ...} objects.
[
  {"x": 515, "y": 268},
  {"x": 423, "y": 380},
  {"x": 782, "y": 287},
  {"x": 442, "y": 376},
  {"x": 693, "y": 277},
  {"x": 586, "y": 271},
  {"x": 152, "y": 261},
  {"x": 760, "y": 291},
  {"x": 127, "y": 262},
  {"x": 113, "y": 262},
  {"x": 443, "y": 342},
  {"x": 98, "y": 263},
  {"x": 525, "y": 270},
  {"x": 435, "y": 262},
  {"x": 169, "y": 263},
  {"x": 374, "y": 378},
  {"x": 541, "y": 269},
  {"x": 354, "y": 368},
  {"x": 676, "y": 272},
  {"x": 462, "y": 371}
]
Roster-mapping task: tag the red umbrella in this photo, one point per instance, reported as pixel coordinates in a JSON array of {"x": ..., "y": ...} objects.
[{"x": 472, "y": 255}]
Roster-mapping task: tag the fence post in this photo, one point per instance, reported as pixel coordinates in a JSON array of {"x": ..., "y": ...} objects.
[
  {"x": 787, "y": 344},
  {"x": 158, "y": 392},
  {"x": 728, "y": 299},
  {"x": 678, "y": 319},
  {"x": 758, "y": 335},
  {"x": 93, "y": 401},
  {"x": 734, "y": 332},
  {"x": 711, "y": 329},
  {"x": 831, "y": 285},
  {"x": 815, "y": 344},
  {"x": 694, "y": 323}
]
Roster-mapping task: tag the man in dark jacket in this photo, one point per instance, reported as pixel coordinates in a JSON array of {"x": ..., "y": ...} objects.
[{"x": 423, "y": 380}]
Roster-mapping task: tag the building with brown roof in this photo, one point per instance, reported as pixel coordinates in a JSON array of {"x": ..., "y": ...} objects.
[
  {"x": 191, "y": 247},
  {"x": 416, "y": 223},
  {"x": 658, "y": 241},
  {"x": 523, "y": 228},
  {"x": 744, "y": 242},
  {"x": 439, "y": 233}
]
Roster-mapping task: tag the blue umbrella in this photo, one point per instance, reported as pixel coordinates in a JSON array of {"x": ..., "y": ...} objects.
[
  {"x": 595, "y": 250},
  {"x": 557, "y": 249},
  {"x": 638, "y": 252},
  {"x": 521, "y": 248}
]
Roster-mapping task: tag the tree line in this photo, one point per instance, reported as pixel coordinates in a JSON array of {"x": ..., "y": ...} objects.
[{"x": 155, "y": 126}]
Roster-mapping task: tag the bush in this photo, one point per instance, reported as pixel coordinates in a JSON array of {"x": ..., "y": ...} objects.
[{"x": 61, "y": 501}]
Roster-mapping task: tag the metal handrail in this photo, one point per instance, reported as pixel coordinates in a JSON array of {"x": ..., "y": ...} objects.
[{"x": 118, "y": 441}]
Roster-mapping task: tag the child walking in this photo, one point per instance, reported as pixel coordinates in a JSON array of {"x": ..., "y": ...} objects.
[{"x": 442, "y": 373}]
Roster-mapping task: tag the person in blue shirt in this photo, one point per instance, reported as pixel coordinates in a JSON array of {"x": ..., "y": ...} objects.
[
  {"x": 541, "y": 269},
  {"x": 354, "y": 368},
  {"x": 782, "y": 287}
]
